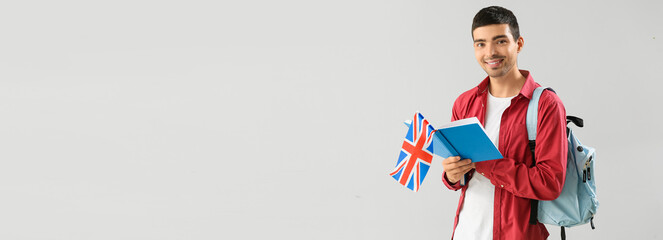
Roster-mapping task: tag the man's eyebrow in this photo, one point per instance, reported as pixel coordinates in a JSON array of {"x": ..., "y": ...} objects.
[
  {"x": 498, "y": 36},
  {"x": 494, "y": 38}
]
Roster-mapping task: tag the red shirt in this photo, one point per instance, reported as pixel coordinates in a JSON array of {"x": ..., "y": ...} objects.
[{"x": 515, "y": 181}]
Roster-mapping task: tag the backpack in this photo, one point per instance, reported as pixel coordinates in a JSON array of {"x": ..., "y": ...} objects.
[{"x": 577, "y": 203}]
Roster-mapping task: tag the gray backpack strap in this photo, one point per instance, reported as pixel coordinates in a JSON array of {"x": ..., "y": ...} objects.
[{"x": 532, "y": 112}]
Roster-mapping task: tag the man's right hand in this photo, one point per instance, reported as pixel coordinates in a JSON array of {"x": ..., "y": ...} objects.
[{"x": 455, "y": 168}]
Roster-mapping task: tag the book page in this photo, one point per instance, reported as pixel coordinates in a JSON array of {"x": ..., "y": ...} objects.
[{"x": 462, "y": 122}]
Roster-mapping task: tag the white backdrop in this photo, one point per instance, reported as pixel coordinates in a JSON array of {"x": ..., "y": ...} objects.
[{"x": 282, "y": 119}]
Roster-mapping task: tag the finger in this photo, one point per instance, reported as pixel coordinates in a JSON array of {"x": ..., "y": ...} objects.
[
  {"x": 449, "y": 162},
  {"x": 451, "y": 159},
  {"x": 461, "y": 170},
  {"x": 467, "y": 168},
  {"x": 451, "y": 167},
  {"x": 461, "y": 163}
]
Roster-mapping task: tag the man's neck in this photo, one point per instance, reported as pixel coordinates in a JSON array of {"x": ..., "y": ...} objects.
[{"x": 508, "y": 85}]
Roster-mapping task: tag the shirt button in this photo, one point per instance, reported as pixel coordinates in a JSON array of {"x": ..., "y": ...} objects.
[{"x": 501, "y": 185}]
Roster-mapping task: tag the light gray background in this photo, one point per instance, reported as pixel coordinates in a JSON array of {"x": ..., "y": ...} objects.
[{"x": 282, "y": 119}]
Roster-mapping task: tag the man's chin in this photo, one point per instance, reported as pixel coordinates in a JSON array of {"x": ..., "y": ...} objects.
[{"x": 495, "y": 72}]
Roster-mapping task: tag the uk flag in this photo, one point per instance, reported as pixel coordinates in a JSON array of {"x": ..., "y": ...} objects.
[{"x": 416, "y": 154}]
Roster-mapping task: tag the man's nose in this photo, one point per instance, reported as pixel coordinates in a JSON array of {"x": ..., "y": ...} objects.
[{"x": 491, "y": 50}]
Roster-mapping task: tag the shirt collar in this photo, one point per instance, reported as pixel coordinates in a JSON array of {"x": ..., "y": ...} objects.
[{"x": 526, "y": 90}]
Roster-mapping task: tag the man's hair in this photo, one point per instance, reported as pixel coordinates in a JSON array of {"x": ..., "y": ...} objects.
[{"x": 496, "y": 15}]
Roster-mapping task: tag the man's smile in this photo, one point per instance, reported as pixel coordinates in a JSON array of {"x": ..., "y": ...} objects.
[{"x": 494, "y": 62}]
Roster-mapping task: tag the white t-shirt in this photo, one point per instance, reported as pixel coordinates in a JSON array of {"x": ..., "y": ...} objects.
[{"x": 475, "y": 220}]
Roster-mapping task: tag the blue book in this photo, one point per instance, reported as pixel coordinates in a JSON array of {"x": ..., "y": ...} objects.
[{"x": 465, "y": 138}]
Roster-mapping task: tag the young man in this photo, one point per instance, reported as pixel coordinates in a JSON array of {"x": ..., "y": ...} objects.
[{"x": 495, "y": 201}]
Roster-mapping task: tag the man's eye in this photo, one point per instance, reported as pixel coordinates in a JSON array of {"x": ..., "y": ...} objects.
[
  {"x": 501, "y": 41},
  {"x": 480, "y": 44}
]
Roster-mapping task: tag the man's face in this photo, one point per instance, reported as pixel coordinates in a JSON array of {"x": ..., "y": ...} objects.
[{"x": 495, "y": 49}]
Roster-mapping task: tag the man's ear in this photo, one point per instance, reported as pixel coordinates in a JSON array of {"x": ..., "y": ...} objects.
[{"x": 520, "y": 42}]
